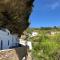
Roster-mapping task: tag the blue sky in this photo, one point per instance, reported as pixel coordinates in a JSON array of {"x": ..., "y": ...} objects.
[{"x": 45, "y": 13}]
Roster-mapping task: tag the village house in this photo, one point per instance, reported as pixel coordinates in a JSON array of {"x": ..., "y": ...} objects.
[
  {"x": 10, "y": 46},
  {"x": 7, "y": 40},
  {"x": 53, "y": 32},
  {"x": 34, "y": 34}
]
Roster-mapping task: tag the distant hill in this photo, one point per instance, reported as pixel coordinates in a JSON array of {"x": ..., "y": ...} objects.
[{"x": 43, "y": 28}]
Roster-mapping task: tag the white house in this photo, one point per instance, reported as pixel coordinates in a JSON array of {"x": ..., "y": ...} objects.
[
  {"x": 56, "y": 32},
  {"x": 53, "y": 33},
  {"x": 34, "y": 34},
  {"x": 7, "y": 40}
]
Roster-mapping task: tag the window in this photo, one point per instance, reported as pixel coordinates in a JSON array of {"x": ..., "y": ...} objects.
[
  {"x": 8, "y": 42},
  {"x": 1, "y": 44}
]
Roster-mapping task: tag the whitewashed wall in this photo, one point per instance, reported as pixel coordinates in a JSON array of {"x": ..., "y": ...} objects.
[
  {"x": 28, "y": 43},
  {"x": 7, "y": 40}
]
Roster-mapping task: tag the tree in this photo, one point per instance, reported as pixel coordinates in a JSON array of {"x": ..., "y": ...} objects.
[{"x": 14, "y": 15}]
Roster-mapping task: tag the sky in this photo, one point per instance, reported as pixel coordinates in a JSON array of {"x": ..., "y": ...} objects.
[{"x": 45, "y": 13}]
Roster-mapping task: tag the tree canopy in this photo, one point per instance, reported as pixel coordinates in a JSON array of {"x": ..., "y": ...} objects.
[{"x": 14, "y": 15}]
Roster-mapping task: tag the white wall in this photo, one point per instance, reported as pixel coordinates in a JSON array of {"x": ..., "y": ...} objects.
[
  {"x": 7, "y": 40},
  {"x": 28, "y": 43}
]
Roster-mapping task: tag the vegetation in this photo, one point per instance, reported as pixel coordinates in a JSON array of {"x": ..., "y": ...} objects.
[
  {"x": 14, "y": 14},
  {"x": 46, "y": 47}
]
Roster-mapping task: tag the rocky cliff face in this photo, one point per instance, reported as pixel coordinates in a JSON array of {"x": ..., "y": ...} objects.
[{"x": 14, "y": 15}]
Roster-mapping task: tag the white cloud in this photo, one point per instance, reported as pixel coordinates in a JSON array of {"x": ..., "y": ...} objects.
[
  {"x": 50, "y": 5},
  {"x": 54, "y": 5}
]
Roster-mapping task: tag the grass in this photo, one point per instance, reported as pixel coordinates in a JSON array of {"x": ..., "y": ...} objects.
[{"x": 46, "y": 47}]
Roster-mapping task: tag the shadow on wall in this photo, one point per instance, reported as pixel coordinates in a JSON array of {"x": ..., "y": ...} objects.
[{"x": 21, "y": 52}]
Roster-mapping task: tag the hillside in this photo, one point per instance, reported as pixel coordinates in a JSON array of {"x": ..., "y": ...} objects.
[{"x": 46, "y": 44}]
